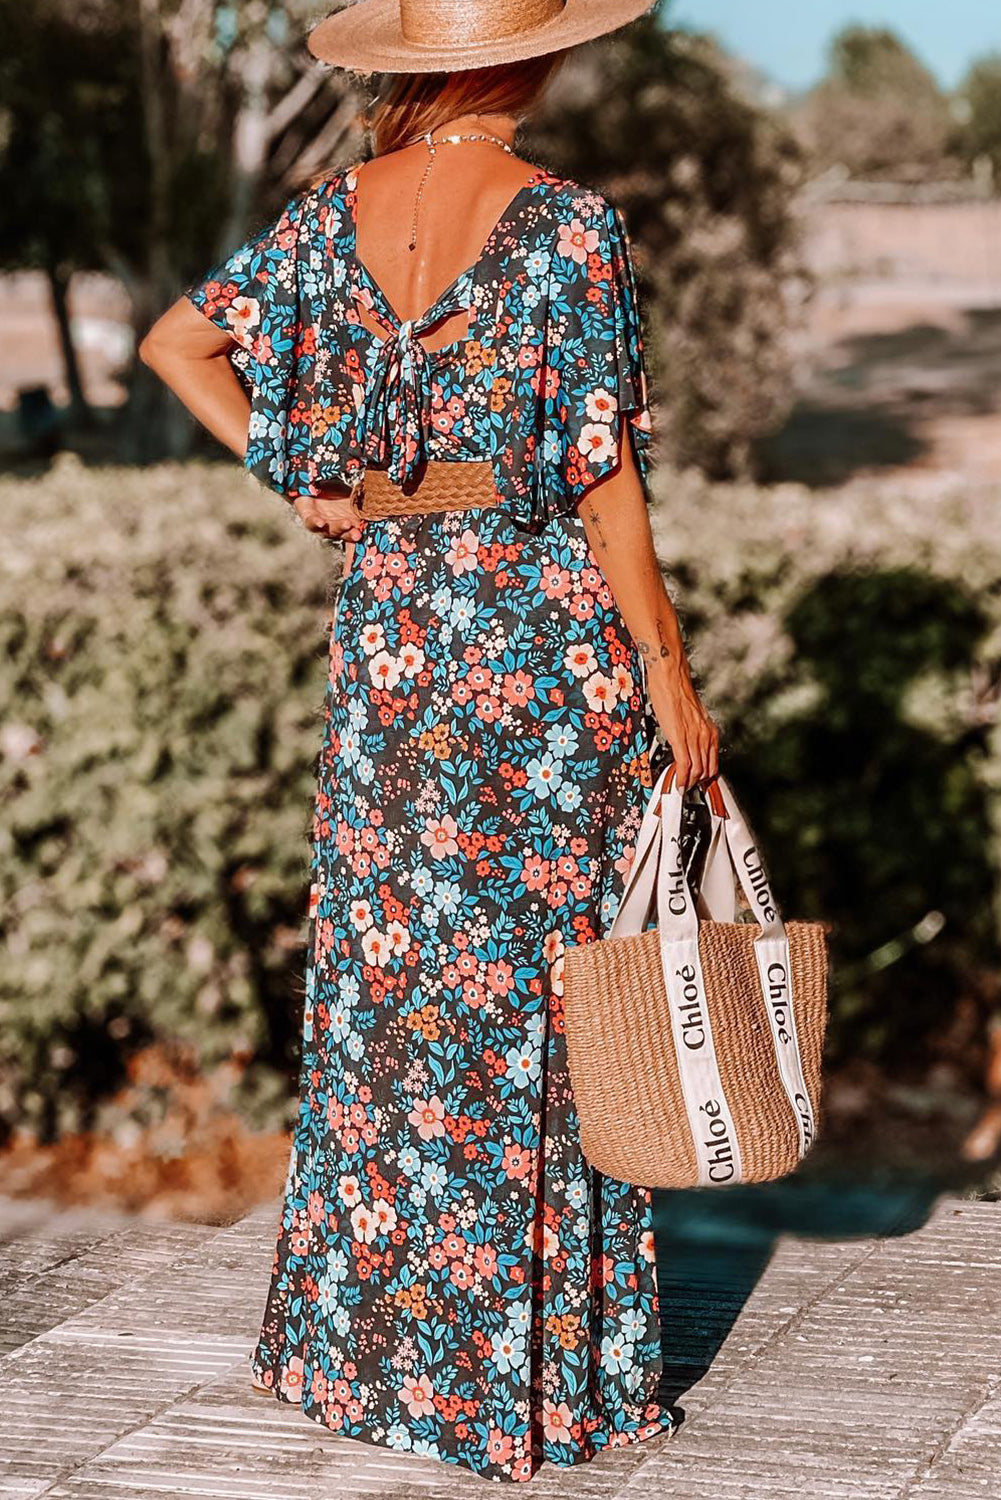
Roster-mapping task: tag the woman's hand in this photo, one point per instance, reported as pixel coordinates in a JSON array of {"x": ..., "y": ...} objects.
[
  {"x": 333, "y": 516},
  {"x": 686, "y": 726}
]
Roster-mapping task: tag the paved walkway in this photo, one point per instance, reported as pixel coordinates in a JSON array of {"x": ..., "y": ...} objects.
[{"x": 820, "y": 1345}]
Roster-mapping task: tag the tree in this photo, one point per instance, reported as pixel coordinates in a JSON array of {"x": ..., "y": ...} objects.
[
  {"x": 145, "y": 137},
  {"x": 878, "y": 112},
  {"x": 66, "y": 99},
  {"x": 706, "y": 181},
  {"x": 230, "y": 104},
  {"x": 979, "y": 98}
]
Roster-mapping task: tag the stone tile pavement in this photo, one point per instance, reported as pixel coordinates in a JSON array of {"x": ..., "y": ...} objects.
[{"x": 832, "y": 1343}]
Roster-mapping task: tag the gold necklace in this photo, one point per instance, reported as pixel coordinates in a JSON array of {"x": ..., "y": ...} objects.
[{"x": 432, "y": 145}]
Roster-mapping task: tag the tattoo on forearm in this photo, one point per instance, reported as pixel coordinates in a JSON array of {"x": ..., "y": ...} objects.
[
  {"x": 595, "y": 520},
  {"x": 663, "y": 649}
]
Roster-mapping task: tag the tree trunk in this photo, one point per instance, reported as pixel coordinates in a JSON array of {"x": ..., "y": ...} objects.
[
  {"x": 59, "y": 286},
  {"x": 251, "y": 136},
  {"x": 154, "y": 427}
]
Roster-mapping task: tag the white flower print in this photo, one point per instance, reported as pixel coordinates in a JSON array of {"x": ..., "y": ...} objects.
[
  {"x": 349, "y": 1190},
  {"x": 598, "y": 443},
  {"x": 244, "y": 315},
  {"x": 600, "y": 692},
  {"x": 384, "y": 670},
  {"x": 372, "y": 639},
  {"x": 360, "y": 913},
  {"x": 370, "y": 1221},
  {"x": 398, "y": 938},
  {"x": 411, "y": 660},
  {"x": 376, "y": 947},
  {"x": 601, "y": 405},
  {"x": 580, "y": 659}
]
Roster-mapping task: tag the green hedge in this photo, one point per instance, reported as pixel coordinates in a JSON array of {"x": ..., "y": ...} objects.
[
  {"x": 163, "y": 666},
  {"x": 850, "y": 642},
  {"x": 163, "y": 647}
]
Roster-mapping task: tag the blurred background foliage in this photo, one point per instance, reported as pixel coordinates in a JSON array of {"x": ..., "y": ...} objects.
[
  {"x": 162, "y": 628},
  {"x": 706, "y": 180},
  {"x": 163, "y": 646},
  {"x": 878, "y": 111}
]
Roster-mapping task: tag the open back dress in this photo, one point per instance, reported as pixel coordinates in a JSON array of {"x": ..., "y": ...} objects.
[{"x": 451, "y": 1278}]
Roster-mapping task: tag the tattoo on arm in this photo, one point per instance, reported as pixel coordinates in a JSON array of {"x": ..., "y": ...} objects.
[
  {"x": 595, "y": 519},
  {"x": 663, "y": 649}
]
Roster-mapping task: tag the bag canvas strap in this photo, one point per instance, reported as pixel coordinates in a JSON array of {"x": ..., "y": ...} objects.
[
  {"x": 771, "y": 952},
  {"x": 715, "y": 899},
  {"x": 709, "y": 1117},
  {"x": 638, "y": 891}
]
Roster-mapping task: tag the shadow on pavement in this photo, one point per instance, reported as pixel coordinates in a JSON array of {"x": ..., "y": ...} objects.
[{"x": 713, "y": 1246}]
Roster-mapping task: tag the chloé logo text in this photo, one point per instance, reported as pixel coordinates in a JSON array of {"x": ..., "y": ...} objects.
[
  {"x": 693, "y": 1023},
  {"x": 676, "y": 903},
  {"x": 722, "y": 1164},
  {"x": 759, "y": 884},
  {"x": 777, "y": 980}
]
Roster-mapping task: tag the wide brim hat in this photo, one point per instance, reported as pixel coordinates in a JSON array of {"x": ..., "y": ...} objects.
[{"x": 447, "y": 36}]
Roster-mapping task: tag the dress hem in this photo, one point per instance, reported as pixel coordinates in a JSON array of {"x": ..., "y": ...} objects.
[{"x": 662, "y": 1426}]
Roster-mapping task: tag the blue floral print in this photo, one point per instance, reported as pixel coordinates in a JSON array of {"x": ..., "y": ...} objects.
[
  {"x": 451, "y": 1278},
  {"x": 552, "y": 358}
]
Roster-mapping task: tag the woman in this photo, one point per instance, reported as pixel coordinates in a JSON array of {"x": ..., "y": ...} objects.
[{"x": 436, "y": 358}]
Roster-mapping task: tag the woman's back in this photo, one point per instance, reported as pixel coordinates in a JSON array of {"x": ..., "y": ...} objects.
[
  {"x": 464, "y": 195},
  {"x": 509, "y": 335}
]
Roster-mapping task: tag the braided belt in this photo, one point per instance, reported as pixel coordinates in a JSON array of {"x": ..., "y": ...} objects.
[{"x": 443, "y": 485}]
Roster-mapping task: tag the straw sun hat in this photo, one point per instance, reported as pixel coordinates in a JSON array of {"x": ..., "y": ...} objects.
[{"x": 432, "y": 36}]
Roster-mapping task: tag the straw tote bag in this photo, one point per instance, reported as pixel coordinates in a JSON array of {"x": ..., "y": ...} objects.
[{"x": 695, "y": 1046}]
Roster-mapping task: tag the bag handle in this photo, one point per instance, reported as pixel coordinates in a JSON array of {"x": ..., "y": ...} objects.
[
  {"x": 771, "y": 952},
  {"x": 716, "y": 891},
  {"x": 715, "y": 898},
  {"x": 714, "y": 1135}
]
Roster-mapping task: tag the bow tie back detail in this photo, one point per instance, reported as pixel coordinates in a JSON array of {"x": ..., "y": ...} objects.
[{"x": 396, "y": 411}]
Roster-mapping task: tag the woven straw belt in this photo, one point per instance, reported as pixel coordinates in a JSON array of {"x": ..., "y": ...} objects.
[{"x": 443, "y": 485}]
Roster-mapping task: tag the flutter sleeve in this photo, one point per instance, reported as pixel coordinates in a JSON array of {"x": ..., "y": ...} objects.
[
  {"x": 261, "y": 295},
  {"x": 595, "y": 376}
]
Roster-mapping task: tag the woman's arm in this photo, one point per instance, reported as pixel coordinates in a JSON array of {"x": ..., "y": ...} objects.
[
  {"x": 189, "y": 353},
  {"x": 617, "y": 523}
]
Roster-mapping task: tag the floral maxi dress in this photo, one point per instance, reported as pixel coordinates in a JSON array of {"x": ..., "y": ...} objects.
[{"x": 451, "y": 1278}]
